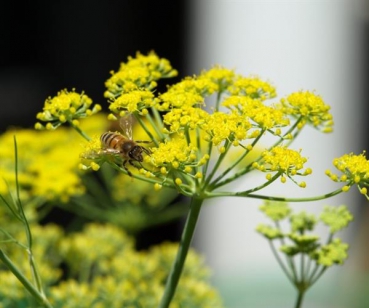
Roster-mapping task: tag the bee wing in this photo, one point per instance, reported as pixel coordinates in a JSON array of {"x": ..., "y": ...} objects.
[{"x": 126, "y": 123}]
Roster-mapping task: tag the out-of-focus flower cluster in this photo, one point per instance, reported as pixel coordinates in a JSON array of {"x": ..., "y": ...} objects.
[
  {"x": 102, "y": 269},
  {"x": 301, "y": 240},
  {"x": 48, "y": 161}
]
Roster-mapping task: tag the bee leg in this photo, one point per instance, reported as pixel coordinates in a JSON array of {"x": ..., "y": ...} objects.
[
  {"x": 147, "y": 151},
  {"x": 143, "y": 141},
  {"x": 125, "y": 167},
  {"x": 132, "y": 164}
]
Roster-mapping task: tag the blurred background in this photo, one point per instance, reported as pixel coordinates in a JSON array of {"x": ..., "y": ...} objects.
[{"x": 311, "y": 45}]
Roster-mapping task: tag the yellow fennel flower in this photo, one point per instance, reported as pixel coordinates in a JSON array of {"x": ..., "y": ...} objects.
[
  {"x": 284, "y": 161},
  {"x": 174, "y": 153},
  {"x": 221, "y": 76},
  {"x": 135, "y": 100},
  {"x": 188, "y": 92},
  {"x": 66, "y": 107},
  {"x": 355, "y": 169},
  {"x": 138, "y": 73},
  {"x": 221, "y": 126},
  {"x": 311, "y": 108},
  {"x": 186, "y": 116},
  {"x": 252, "y": 87}
]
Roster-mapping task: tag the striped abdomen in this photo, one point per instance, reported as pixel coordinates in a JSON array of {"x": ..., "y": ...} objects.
[{"x": 112, "y": 140}]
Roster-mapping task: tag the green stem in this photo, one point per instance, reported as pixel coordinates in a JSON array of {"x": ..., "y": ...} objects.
[
  {"x": 157, "y": 124},
  {"x": 218, "y": 162},
  {"x": 206, "y": 166},
  {"x": 321, "y": 272},
  {"x": 289, "y": 259},
  {"x": 217, "y": 102},
  {"x": 146, "y": 129},
  {"x": 178, "y": 264},
  {"x": 248, "y": 168},
  {"x": 246, "y": 193},
  {"x": 230, "y": 168},
  {"x": 39, "y": 296},
  {"x": 280, "y": 262},
  {"x": 300, "y": 298},
  {"x": 79, "y": 131}
]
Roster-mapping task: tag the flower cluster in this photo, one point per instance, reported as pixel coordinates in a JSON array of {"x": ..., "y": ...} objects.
[
  {"x": 302, "y": 248},
  {"x": 285, "y": 162},
  {"x": 355, "y": 171},
  {"x": 129, "y": 89},
  {"x": 94, "y": 274},
  {"x": 309, "y": 108},
  {"x": 184, "y": 132},
  {"x": 49, "y": 164},
  {"x": 299, "y": 241},
  {"x": 66, "y": 107}
]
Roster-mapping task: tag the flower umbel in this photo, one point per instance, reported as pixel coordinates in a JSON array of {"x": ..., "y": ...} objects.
[
  {"x": 302, "y": 248},
  {"x": 66, "y": 107},
  {"x": 285, "y": 162},
  {"x": 355, "y": 169},
  {"x": 311, "y": 108}
]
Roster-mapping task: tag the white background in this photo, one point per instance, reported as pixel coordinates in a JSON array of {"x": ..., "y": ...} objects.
[{"x": 309, "y": 45}]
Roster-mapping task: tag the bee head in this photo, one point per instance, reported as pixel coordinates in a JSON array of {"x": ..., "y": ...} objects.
[{"x": 136, "y": 153}]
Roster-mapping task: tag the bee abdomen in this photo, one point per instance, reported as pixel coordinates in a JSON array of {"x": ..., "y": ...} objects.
[{"x": 111, "y": 140}]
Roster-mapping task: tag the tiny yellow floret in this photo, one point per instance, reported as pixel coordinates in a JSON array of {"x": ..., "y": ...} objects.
[
  {"x": 178, "y": 181},
  {"x": 363, "y": 191},
  {"x": 94, "y": 166},
  {"x": 187, "y": 169},
  {"x": 302, "y": 184},
  {"x": 38, "y": 126},
  {"x": 345, "y": 188},
  {"x": 198, "y": 175}
]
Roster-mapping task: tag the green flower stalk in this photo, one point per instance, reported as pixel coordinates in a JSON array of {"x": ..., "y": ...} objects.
[
  {"x": 306, "y": 257},
  {"x": 33, "y": 286},
  {"x": 190, "y": 145}
]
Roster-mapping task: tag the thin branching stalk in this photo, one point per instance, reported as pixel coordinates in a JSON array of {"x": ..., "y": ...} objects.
[
  {"x": 80, "y": 131},
  {"x": 147, "y": 130},
  {"x": 280, "y": 262},
  {"x": 246, "y": 193},
  {"x": 218, "y": 162},
  {"x": 35, "y": 289},
  {"x": 40, "y": 297},
  {"x": 232, "y": 166}
]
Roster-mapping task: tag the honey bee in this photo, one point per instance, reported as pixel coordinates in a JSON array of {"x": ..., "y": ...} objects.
[{"x": 123, "y": 144}]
